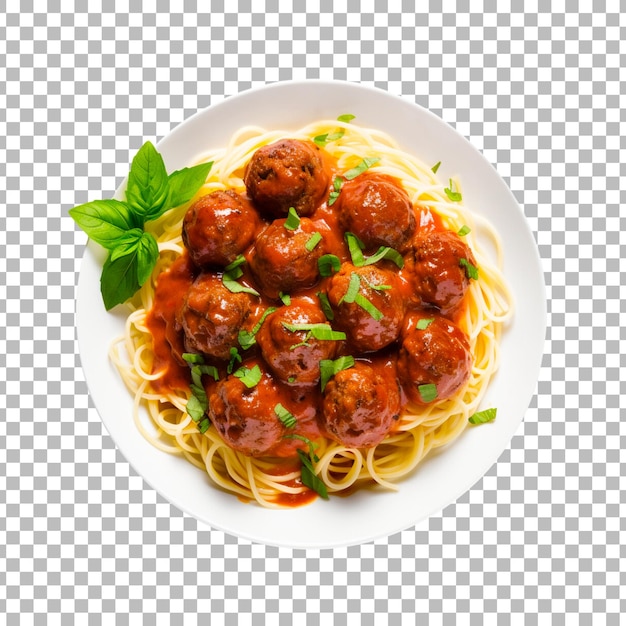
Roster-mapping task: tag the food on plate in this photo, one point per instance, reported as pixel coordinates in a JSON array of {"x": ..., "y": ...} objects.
[{"x": 311, "y": 311}]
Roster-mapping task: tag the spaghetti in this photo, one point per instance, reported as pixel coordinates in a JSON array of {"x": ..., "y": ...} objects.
[{"x": 160, "y": 412}]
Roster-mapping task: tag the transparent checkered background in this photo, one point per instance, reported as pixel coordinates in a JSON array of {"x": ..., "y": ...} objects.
[{"x": 539, "y": 539}]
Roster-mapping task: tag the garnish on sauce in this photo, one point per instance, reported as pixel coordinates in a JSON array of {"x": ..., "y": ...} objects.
[
  {"x": 235, "y": 357},
  {"x": 424, "y": 323},
  {"x": 314, "y": 239},
  {"x": 288, "y": 419},
  {"x": 356, "y": 246},
  {"x": 428, "y": 392},
  {"x": 232, "y": 273},
  {"x": 328, "y": 264},
  {"x": 198, "y": 402},
  {"x": 119, "y": 226},
  {"x": 250, "y": 377},
  {"x": 334, "y": 194},
  {"x": 363, "y": 166},
  {"x": 323, "y": 332},
  {"x": 471, "y": 271},
  {"x": 293, "y": 220},
  {"x": 247, "y": 338},
  {"x": 285, "y": 298},
  {"x": 325, "y": 306},
  {"x": 329, "y": 368}
]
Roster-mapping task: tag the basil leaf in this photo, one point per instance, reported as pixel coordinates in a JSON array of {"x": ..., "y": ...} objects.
[
  {"x": 250, "y": 377},
  {"x": 147, "y": 187},
  {"x": 293, "y": 220},
  {"x": 322, "y": 332},
  {"x": 246, "y": 338},
  {"x": 285, "y": 297},
  {"x": 346, "y": 117},
  {"x": 235, "y": 357},
  {"x": 353, "y": 288},
  {"x": 325, "y": 305},
  {"x": 453, "y": 196},
  {"x": 334, "y": 194},
  {"x": 104, "y": 221},
  {"x": 195, "y": 408},
  {"x": 127, "y": 243},
  {"x": 367, "y": 306},
  {"x": 327, "y": 264},
  {"x": 355, "y": 246},
  {"x": 185, "y": 183},
  {"x": 287, "y": 418},
  {"x": 193, "y": 358},
  {"x": 385, "y": 252},
  {"x": 147, "y": 256},
  {"x": 119, "y": 280},
  {"x": 329, "y": 368},
  {"x": 471, "y": 271},
  {"x": 424, "y": 323}
]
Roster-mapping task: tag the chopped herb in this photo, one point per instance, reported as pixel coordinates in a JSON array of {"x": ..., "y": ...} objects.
[
  {"x": 198, "y": 403},
  {"x": 334, "y": 194},
  {"x": 291, "y": 379},
  {"x": 327, "y": 264},
  {"x": 234, "y": 357},
  {"x": 424, "y": 323},
  {"x": 203, "y": 426},
  {"x": 246, "y": 338},
  {"x": 285, "y": 297},
  {"x": 306, "y": 440},
  {"x": 435, "y": 167},
  {"x": 309, "y": 478},
  {"x": 346, "y": 117},
  {"x": 366, "y": 305},
  {"x": 323, "y": 332},
  {"x": 325, "y": 304},
  {"x": 464, "y": 230},
  {"x": 353, "y": 288},
  {"x": 232, "y": 272},
  {"x": 240, "y": 260},
  {"x": 293, "y": 220},
  {"x": 322, "y": 140},
  {"x": 385, "y": 252},
  {"x": 355, "y": 246},
  {"x": 287, "y": 418},
  {"x": 482, "y": 417},
  {"x": 376, "y": 287},
  {"x": 428, "y": 392},
  {"x": 454, "y": 196},
  {"x": 250, "y": 377},
  {"x": 314, "y": 239},
  {"x": 363, "y": 166},
  {"x": 329, "y": 368},
  {"x": 471, "y": 271}
]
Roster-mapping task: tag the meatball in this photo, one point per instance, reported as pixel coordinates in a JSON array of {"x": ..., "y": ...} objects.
[
  {"x": 281, "y": 261},
  {"x": 367, "y": 330},
  {"x": 246, "y": 419},
  {"x": 360, "y": 406},
  {"x": 438, "y": 354},
  {"x": 211, "y": 316},
  {"x": 288, "y": 173},
  {"x": 440, "y": 273},
  {"x": 219, "y": 227},
  {"x": 294, "y": 356},
  {"x": 377, "y": 209}
]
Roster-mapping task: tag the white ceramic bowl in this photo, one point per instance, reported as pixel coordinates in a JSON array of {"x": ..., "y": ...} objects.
[{"x": 444, "y": 476}]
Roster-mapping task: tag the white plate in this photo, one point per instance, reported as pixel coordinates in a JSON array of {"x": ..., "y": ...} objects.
[{"x": 443, "y": 477}]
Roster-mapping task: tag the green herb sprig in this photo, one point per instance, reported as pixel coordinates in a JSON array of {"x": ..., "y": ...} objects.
[
  {"x": 118, "y": 225},
  {"x": 198, "y": 403}
]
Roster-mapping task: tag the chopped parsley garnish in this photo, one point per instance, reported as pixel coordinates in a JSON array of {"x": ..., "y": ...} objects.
[
  {"x": 367, "y": 306},
  {"x": 322, "y": 140},
  {"x": 323, "y": 332},
  {"x": 285, "y": 297},
  {"x": 428, "y": 392},
  {"x": 329, "y": 368},
  {"x": 356, "y": 246},
  {"x": 464, "y": 230},
  {"x": 198, "y": 402},
  {"x": 232, "y": 273},
  {"x": 246, "y": 338},
  {"x": 334, "y": 194},
  {"x": 325, "y": 305},
  {"x": 453, "y": 196},
  {"x": 235, "y": 357},
  {"x": 346, "y": 117},
  {"x": 293, "y": 220},
  {"x": 363, "y": 166},
  {"x": 327, "y": 264},
  {"x": 471, "y": 271},
  {"x": 435, "y": 167},
  {"x": 250, "y": 377},
  {"x": 482, "y": 417},
  {"x": 288, "y": 420},
  {"x": 314, "y": 239},
  {"x": 424, "y": 323}
]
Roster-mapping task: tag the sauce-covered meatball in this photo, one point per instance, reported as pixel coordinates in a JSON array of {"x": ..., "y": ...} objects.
[
  {"x": 294, "y": 355},
  {"x": 281, "y": 260},
  {"x": 246, "y": 417},
  {"x": 378, "y": 290},
  {"x": 360, "y": 406},
  {"x": 218, "y": 227},
  {"x": 284, "y": 174},
  {"x": 436, "y": 353},
  {"x": 212, "y": 316},
  {"x": 440, "y": 273},
  {"x": 377, "y": 209}
]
